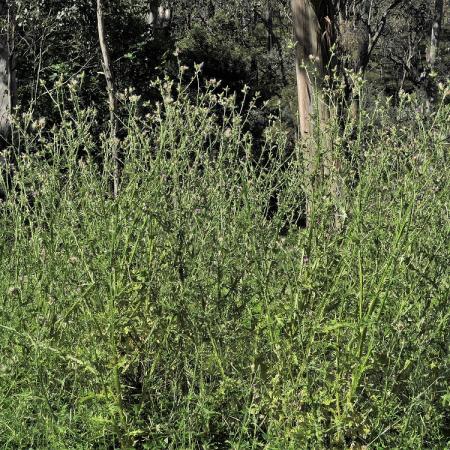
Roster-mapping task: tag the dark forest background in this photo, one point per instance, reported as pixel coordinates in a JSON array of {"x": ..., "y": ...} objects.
[{"x": 241, "y": 42}]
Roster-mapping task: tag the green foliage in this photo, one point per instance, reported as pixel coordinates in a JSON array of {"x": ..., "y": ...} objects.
[
  {"x": 228, "y": 62},
  {"x": 223, "y": 47},
  {"x": 183, "y": 315}
]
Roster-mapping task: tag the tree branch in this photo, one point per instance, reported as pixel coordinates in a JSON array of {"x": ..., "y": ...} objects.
[{"x": 381, "y": 25}]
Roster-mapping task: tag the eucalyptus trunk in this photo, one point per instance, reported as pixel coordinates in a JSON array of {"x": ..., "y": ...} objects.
[
  {"x": 313, "y": 41},
  {"x": 310, "y": 62},
  {"x": 7, "y": 69}
]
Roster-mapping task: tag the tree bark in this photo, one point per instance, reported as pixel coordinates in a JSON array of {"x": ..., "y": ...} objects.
[
  {"x": 309, "y": 58},
  {"x": 4, "y": 91},
  {"x": 433, "y": 52},
  {"x": 7, "y": 69},
  {"x": 435, "y": 32},
  {"x": 112, "y": 98},
  {"x": 312, "y": 58}
]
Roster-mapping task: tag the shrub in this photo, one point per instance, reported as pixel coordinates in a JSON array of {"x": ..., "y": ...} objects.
[{"x": 179, "y": 315}]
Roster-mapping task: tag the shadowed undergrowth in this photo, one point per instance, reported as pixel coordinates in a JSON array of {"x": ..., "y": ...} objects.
[{"x": 190, "y": 313}]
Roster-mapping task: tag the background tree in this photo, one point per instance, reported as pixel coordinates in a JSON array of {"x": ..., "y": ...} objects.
[
  {"x": 239, "y": 41},
  {"x": 432, "y": 53},
  {"x": 360, "y": 25},
  {"x": 313, "y": 40},
  {"x": 7, "y": 67},
  {"x": 112, "y": 94},
  {"x": 398, "y": 60}
]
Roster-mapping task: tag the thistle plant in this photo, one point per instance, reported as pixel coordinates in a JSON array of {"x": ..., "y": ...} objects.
[{"x": 193, "y": 311}]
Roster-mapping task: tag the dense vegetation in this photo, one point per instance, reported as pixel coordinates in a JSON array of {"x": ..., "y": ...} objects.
[
  {"x": 191, "y": 313},
  {"x": 225, "y": 297}
]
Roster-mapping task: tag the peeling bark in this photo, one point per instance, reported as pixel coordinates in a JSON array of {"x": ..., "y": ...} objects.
[{"x": 313, "y": 41}]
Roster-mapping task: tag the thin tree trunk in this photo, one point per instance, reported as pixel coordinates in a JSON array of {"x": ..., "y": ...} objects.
[
  {"x": 4, "y": 95},
  {"x": 12, "y": 81},
  {"x": 7, "y": 70},
  {"x": 269, "y": 16},
  {"x": 159, "y": 19},
  {"x": 12, "y": 75},
  {"x": 433, "y": 51},
  {"x": 112, "y": 99},
  {"x": 435, "y": 32},
  {"x": 154, "y": 13}
]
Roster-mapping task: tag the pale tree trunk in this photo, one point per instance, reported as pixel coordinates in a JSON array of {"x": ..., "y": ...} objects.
[
  {"x": 433, "y": 52},
  {"x": 154, "y": 13},
  {"x": 313, "y": 40},
  {"x": 435, "y": 32},
  {"x": 309, "y": 59},
  {"x": 112, "y": 98},
  {"x": 159, "y": 17},
  {"x": 4, "y": 91},
  {"x": 7, "y": 69}
]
